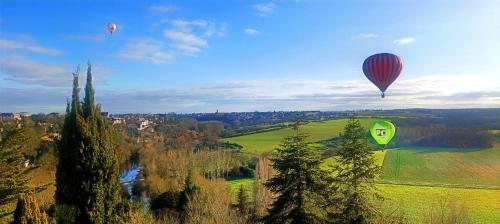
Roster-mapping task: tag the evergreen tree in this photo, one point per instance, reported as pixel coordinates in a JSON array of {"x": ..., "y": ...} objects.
[
  {"x": 13, "y": 177},
  {"x": 100, "y": 178},
  {"x": 299, "y": 184},
  {"x": 189, "y": 189},
  {"x": 69, "y": 169},
  {"x": 242, "y": 200},
  {"x": 355, "y": 175},
  {"x": 28, "y": 212},
  {"x": 87, "y": 175}
]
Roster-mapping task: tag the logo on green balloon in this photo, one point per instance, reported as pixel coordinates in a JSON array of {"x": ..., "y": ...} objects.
[{"x": 382, "y": 131}]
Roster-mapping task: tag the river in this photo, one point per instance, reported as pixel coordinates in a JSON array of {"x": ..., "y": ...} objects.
[{"x": 130, "y": 177}]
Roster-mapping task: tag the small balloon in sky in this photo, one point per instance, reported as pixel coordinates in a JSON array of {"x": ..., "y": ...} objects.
[
  {"x": 382, "y": 131},
  {"x": 111, "y": 28},
  {"x": 382, "y": 70}
]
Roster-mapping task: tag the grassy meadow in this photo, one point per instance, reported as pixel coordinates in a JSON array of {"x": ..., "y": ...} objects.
[
  {"x": 235, "y": 185},
  {"x": 267, "y": 141},
  {"x": 414, "y": 180},
  {"x": 467, "y": 167},
  {"x": 416, "y": 202}
]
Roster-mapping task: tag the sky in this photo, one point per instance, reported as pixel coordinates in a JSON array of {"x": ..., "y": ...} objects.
[{"x": 230, "y": 56}]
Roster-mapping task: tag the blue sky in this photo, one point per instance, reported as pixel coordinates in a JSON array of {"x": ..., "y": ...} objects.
[{"x": 200, "y": 56}]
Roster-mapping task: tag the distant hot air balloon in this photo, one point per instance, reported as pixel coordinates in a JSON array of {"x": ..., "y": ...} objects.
[
  {"x": 382, "y": 69},
  {"x": 111, "y": 28}
]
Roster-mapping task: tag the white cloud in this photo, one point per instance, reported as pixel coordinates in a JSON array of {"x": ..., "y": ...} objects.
[
  {"x": 83, "y": 37},
  {"x": 146, "y": 49},
  {"x": 264, "y": 9},
  {"x": 203, "y": 27},
  {"x": 184, "y": 38},
  {"x": 365, "y": 36},
  {"x": 405, "y": 40},
  {"x": 433, "y": 91},
  {"x": 179, "y": 23},
  {"x": 251, "y": 31},
  {"x": 187, "y": 49},
  {"x": 162, "y": 8},
  {"x": 20, "y": 69},
  {"x": 23, "y": 70},
  {"x": 189, "y": 36},
  {"x": 28, "y": 46}
]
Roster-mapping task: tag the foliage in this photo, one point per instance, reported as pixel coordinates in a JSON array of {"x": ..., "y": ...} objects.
[
  {"x": 299, "y": 184},
  {"x": 189, "y": 189},
  {"x": 355, "y": 173},
  {"x": 262, "y": 197},
  {"x": 28, "y": 212},
  {"x": 452, "y": 130},
  {"x": 242, "y": 200},
  {"x": 13, "y": 179},
  {"x": 211, "y": 204},
  {"x": 87, "y": 173},
  {"x": 235, "y": 184}
]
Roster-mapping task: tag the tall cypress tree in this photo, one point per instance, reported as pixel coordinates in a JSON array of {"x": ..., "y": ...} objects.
[
  {"x": 100, "y": 184},
  {"x": 87, "y": 176},
  {"x": 355, "y": 176},
  {"x": 69, "y": 169},
  {"x": 300, "y": 183}
]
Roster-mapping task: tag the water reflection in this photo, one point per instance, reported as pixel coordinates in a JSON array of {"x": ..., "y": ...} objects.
[{"x": 132, "y": 180}]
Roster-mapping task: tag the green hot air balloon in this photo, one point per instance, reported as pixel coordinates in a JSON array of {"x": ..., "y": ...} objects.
[{"x": 382, "y": 131}]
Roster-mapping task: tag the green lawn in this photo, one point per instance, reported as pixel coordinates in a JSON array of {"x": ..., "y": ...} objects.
[
  {"x": 443, "y": 166},
  {"x": 234, "y": 186},
  {"x": 267, "y": 141},
  {"x": 378, "y": 155},
  {"x": 418, "y": 201}
]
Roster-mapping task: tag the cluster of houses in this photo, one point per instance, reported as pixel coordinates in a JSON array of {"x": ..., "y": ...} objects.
[
  {"x": 13, "y": 116},
  {"x": 134, "y": 121}
]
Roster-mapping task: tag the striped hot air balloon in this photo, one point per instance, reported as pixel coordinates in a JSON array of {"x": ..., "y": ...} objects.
[{"x": 382, "y": 69}]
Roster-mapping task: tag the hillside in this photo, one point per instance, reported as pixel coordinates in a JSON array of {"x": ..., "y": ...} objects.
[
  {"x": 267, "y": 141},
  {"x": 413, "y": 179}
]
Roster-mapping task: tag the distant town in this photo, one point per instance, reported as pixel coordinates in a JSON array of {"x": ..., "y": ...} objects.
[{"x": 144, "y": 121}]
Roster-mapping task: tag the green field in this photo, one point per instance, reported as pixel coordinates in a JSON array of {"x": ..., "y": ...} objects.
[
  {"x": 378, "y": 155},
  {"x": 413, "y": 179},
  {"x": 467, "y": 167},
  {"x": 267, "y": 141},
  {"x": 416, "y": 202},
  {"x": 234, "y": 186}
]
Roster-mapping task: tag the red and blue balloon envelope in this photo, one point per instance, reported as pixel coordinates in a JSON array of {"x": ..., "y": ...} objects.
[{"x": 382, "y": 69}]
